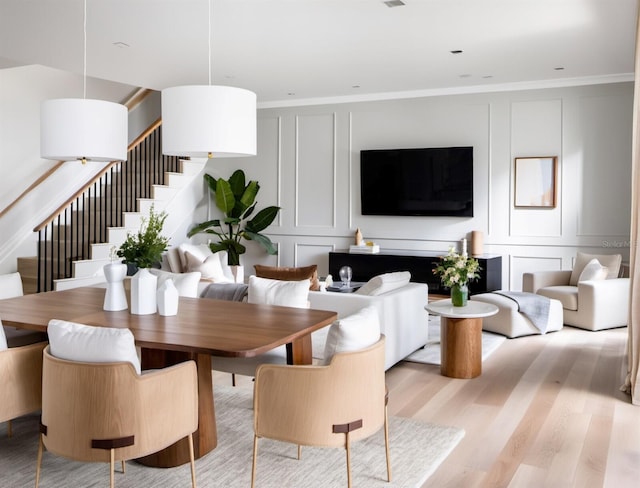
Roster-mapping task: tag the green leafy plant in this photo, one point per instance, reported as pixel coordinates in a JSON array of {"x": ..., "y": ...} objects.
[
  {"x": 457, "y": 269},
  {"x": 144, "y": 248},
  {"x": 236, "y": 199}
]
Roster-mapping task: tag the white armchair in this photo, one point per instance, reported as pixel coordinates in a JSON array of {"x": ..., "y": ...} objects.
[{"x": 592, "y": 304}]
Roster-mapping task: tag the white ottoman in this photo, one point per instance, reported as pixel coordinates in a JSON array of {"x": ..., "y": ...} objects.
[{"x": 511, "y": 323}]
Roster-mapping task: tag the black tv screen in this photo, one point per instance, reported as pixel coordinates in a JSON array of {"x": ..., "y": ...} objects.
[{"x": 430, "y": 181}]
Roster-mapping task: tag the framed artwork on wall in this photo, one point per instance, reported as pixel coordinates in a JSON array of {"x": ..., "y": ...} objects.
[{"x": 535, "y": 182}]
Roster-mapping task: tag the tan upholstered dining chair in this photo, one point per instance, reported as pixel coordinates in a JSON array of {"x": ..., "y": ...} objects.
[
  {"x": 117, "y": 413},
  {"x": 20, "y": 379},
  {"x": 11, "y": 286},
  {"x": 329, "y": 406}
]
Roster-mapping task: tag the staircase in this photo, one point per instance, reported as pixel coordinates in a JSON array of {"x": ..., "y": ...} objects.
[{"x": 75, "y": 243}]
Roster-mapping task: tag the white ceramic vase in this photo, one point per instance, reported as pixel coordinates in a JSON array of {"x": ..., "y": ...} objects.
[
  {"x": 238, "y": 273},
  {"x": 115, "y": 298},
  {"x": 167, "y": 298},
  {"x": 143, "y": 292}
]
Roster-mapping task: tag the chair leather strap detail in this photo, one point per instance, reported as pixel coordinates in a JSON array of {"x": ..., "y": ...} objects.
[
  {"x": 345, "y": 428},
  {"x": 112, "y": 443}
]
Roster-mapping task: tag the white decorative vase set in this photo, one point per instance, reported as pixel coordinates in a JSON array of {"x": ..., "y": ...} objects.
[
  {"x": 115, "y": 298},
  {"x": 146, "y": 298}
]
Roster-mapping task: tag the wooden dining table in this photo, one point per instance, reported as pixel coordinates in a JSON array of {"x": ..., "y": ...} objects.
[{"x": 202, "y": 327}]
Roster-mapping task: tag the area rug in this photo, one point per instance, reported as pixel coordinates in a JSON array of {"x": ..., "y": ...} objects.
[
  {"x": 417, "y": 449},
  {"x": 430, "y": 354}
]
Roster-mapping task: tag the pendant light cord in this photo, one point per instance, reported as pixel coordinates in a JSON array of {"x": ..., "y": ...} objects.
[
  {"x": 209, "y": 38},
  {"x": 84, "y": 60}
]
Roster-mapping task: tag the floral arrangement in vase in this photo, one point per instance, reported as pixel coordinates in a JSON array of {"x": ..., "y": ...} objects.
[
  {"x": 455, "y": 271},
  {"x": 143, "y": 249}
]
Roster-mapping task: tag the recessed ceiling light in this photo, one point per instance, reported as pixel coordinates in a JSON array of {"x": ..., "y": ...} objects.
[
  {"x": 393, "y": 3},
  {"x": 121, "y": 44},
  {"x": 559, "y": 68},
  {"x": 466, "y": 75},
  {"x": 291, "y": 94},
  {"x": 456, "y": 51},
  {"x": 355, "y": 86},
  {"x": 487, "y": 76}
]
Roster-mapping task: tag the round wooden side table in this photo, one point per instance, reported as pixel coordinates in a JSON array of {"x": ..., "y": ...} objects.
[{"x": 461, "y": 336}]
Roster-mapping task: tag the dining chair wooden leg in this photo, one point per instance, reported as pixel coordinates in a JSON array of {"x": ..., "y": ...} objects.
[
  {"x": 386, "y": 443},
  {"x": 299, "y": 452},
  {"x": 123, "y": 466},
  {"x": 112, "y": 468},
  {"x": 233, "y": 379},
  {"x": 255, "y": 461},
  {"x": 192, "y": 461},
  {"x": 39, "y": 459},
  {"x": 9, "y": 429},
  {"x": 348, "y": 461}
]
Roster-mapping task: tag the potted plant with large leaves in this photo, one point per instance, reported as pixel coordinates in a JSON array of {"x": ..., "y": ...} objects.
[{"x": 236, "y": 199}]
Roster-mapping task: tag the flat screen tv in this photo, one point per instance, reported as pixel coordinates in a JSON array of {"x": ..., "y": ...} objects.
[{"x": 429, "y": 181}]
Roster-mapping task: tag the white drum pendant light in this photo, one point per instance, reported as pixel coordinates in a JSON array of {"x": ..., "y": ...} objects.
[
  {"x": 74, "y": 128},
  {"x": 208, "y": 120},
  {"x": 202, "y": 121},
  {"x": 83, "y": 129}
]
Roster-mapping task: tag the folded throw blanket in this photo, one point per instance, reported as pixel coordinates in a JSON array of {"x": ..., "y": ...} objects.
[
  {"x": 226, "y": 291},
  {"x": 534, "y": 307}
]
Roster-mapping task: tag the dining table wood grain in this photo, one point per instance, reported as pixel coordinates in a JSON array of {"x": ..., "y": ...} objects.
[{"x": 202, "y": 327}]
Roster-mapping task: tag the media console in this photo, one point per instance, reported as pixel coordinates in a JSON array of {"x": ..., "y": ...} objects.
[{"x": 420, "y": 264}]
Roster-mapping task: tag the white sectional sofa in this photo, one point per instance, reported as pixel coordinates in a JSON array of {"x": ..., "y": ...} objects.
[{"x": 403, "y": 319}]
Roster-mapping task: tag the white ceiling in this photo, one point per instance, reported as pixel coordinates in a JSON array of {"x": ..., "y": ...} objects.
[{"x": 290, "y": 51}]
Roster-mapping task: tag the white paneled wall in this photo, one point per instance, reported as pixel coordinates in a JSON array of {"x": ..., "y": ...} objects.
[{"x": 308, "y": 162}]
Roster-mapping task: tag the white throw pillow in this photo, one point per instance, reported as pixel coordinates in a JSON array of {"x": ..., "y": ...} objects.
[
  {"x": 385, "y": 283},
  {"x": 3, "y": 338},
  {"x": 173, "y": 259},
  {"x": 10, "y": 285},
  {"x": 593, "y": 271},
  {"x": 276, "y": 292},
  {"x": 186, "y": 283},
  {"x": 201, "y": 251},
  {"x": 79, "y": 342},
  {"x": 210, "y": 268},
  {"x": 611, "y": 261},
  {"x": 357, "y": 331}
]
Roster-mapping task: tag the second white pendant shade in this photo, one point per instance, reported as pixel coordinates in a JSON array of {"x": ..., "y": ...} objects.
[
  {"x": 208, "y": 120},
  {"x": 79, "y": 128}
]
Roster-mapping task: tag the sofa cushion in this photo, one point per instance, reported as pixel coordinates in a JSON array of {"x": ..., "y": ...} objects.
[
  {"x": 10, "y": 285},
  {"x": 210, "y": 268},
  {"x": 172, "y": 258},
  {"x": 201, "y": 251},
  {"x": 352, "y": 333},
  {"x": 385, "y": 283},
  {"x": 277, "y": 292},
  {"x": 79, "y": 342},
  {"x": 290, "y": 274},
  {"x": 186, "y": 283},
  {"x": 567, "y": 295},
  {"x": 593, "y": 271},
  {"x": 611, "y": 261}
]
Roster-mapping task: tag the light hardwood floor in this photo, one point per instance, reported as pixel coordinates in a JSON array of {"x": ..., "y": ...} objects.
[{"x": 546, "y": 412}]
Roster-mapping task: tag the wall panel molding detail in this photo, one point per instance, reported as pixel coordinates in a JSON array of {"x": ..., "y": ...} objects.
[
  {"x": 305, "y": 254},
  {"x": 315, "y": 171},
  {"x": 352, "y": 181},
  {"x": 279, "y": 167}
]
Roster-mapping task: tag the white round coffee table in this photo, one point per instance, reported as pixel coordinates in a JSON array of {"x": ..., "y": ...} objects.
[{"x": 461, "y": 336}]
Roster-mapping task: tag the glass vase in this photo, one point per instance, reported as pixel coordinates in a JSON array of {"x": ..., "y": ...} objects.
[{"x": 459, "y": 295}]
